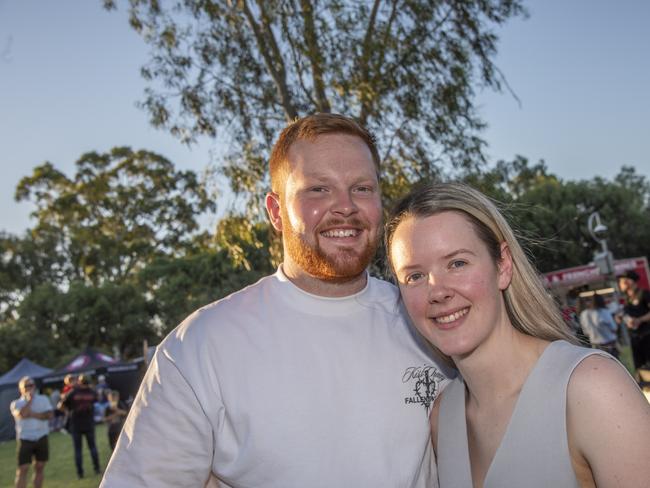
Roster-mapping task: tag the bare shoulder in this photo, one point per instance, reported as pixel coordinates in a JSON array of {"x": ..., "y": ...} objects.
[
  {"x": 601, "y": 388},
  {"x": 608, "y": 423},
  {"x": 603, "y": 378}
]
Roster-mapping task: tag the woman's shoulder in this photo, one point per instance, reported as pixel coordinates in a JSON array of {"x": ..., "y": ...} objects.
[
  {"x": 601, "y": 389},
  {"x": 608, "y": 421}
]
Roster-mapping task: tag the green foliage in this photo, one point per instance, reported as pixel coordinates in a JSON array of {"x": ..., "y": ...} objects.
[
  {"x": 73, "y": 279},
  {"x": 181, "y": 285},
  {"x": 240, "y": 70},
  {"x": 120, "y": 210},
  {"x": 551, "y": 214}
]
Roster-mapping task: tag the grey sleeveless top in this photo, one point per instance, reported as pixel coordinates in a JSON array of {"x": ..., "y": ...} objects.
[{"x": 534, "y": 451}]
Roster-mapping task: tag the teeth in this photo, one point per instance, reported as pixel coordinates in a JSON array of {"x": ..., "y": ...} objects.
[
  {"x": 340, "y": 233},
  {"x": 450, "y": 318}
]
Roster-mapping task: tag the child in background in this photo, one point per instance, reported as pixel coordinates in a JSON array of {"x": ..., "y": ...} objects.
[{"x": 114, "y": 416}]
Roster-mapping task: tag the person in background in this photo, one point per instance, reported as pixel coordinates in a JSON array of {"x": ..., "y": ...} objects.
[
  {"x": 598, "y": 324},
  {"x": 57, "y": 420},
  {"x": 636, "y": 316},
  {"x": 114, "y": 416},
  {"x": 102, "y": 390},
  {"x": 69, "y": 382},
  {"x": 530, "y": 408},
  {"x": 32, "y": 413},
  {"x": 80, "y": 404}
]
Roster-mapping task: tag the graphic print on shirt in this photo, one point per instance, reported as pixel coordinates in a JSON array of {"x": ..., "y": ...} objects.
[{"x": 425, "y": 381}]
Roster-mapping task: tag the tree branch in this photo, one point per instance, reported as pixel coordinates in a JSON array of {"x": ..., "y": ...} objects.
[
  {"x": 275, "y": 66},
  {"x": 365, "y": 63},
  {"x": 314, "y": 55}
]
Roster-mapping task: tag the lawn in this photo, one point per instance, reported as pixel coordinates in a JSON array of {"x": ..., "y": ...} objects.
[{"x": 60, "y": 471}]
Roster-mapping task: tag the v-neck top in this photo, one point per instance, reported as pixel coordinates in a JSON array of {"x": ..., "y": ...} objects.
[{"x": 534, "y": 451}]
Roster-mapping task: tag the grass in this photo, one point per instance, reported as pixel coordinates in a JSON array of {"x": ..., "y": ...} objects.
[
  {"x": 625, "y": 356},
  {"x": 60, "y": 471}
]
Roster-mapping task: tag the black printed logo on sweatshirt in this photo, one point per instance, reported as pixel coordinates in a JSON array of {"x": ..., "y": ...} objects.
[{"x": 425, "y": 381}]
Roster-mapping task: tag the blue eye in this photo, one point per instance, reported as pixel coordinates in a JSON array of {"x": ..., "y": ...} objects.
[
  {"x": 413, "y": 277},
  {"x": 457, "y": 264}
]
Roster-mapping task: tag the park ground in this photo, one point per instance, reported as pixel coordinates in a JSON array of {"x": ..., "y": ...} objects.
[{"x": 60, "y": 471}]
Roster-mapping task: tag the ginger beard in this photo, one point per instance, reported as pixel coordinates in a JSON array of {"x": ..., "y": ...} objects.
[{"x": 344, "y": 265}]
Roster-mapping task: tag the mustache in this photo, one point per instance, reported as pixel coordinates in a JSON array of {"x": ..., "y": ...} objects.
[{"x": 338, "y": 222}]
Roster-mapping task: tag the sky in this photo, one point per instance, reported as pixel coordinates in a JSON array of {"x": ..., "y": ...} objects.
[{"x": 69, "y": 83}]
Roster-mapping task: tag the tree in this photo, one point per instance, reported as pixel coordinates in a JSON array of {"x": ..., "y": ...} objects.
[
  {"x": 180, "y": 285},
  {"x": 72, "y": 280},
  {"x": 239, "y": 70},
  {"x": 551, "y": 214},
  {"x": 26, "y": 263},
  {"x": 120, "y": 210}
]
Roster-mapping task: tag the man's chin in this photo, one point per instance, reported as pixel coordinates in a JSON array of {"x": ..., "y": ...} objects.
[{"x": 342, "y": 269}]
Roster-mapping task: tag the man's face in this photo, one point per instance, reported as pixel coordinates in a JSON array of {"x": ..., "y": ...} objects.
[
  {"x": 27, "y": 387},
  {"x": 329, "y": 208},
  {"x": 626, "y": 285}
]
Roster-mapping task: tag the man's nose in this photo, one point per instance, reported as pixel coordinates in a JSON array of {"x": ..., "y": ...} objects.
[{"x": 344, "y": 204}]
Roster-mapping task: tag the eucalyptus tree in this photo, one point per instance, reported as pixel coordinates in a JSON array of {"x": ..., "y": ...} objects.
[{"x": 239, "y": 70}]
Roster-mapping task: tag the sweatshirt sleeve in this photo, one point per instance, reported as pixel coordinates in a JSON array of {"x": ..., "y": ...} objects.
[{"x": 167, "y": 440}]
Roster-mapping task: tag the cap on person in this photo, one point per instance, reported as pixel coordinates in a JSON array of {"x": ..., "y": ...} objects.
[{"x": 630, "y": 274}]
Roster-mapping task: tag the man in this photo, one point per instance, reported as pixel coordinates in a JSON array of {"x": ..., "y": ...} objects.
[
  {"x": 32, "y": 413},
  {"x": 80, "y": 402},
  {"x": 309, "y": 378},
  {"x": 598, "y": 324},
  {"x": 637, "y": 317}
]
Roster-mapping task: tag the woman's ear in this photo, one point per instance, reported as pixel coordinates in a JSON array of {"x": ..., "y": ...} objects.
[
  {"x": 272, "y": 203},
  {"x": 504, "y": 267}
]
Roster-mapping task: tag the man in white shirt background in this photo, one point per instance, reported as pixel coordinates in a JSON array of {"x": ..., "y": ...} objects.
[{"x": 32, "y": 413}]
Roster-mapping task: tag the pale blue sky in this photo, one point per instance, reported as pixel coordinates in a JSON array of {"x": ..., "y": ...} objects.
[{"x": 69, "y": 80}]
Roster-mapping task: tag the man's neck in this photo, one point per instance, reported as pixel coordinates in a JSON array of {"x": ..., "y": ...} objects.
[{"x": 324, "y": 288}]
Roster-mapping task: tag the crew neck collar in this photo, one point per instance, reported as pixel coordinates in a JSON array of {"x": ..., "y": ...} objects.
[{"x": 296, "y": 297}]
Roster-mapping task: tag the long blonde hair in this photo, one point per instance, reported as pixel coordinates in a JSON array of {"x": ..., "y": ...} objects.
[{"x": 529, "y": 306}]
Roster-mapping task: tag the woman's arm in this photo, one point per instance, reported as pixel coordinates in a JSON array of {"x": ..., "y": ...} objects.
[{"x": 608, "y": 424}]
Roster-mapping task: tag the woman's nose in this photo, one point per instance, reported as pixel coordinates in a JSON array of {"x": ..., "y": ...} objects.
[{"x": 438, "y": 291}]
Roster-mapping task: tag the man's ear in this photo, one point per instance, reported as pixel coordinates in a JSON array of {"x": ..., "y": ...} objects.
[{"x": 272, "y": 202}]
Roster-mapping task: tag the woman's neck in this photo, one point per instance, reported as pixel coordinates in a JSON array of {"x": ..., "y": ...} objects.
[{"x": 498, "y": 368}]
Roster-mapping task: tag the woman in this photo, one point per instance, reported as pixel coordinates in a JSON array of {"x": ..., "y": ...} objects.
[
  {"x": 598, "y": 323},
  {"x": 529, "y": 407},
  {"x": 636, "y": 317}
]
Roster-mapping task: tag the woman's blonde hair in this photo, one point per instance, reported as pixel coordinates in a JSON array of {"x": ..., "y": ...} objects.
[{"x": 530, "y": 307}]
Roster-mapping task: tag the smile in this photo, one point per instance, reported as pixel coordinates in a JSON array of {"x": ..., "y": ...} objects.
[
  {"x": 340, "y": 233},
  {"x": 446, "y": 319}
]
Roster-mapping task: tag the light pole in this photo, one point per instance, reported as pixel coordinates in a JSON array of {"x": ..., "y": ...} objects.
[
  {"x": 604, "y": 259},
  {"x": 605, "y": 262}
]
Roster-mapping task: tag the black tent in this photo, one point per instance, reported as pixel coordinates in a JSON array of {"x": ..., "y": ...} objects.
[
  {"x": 9, "y": 392},
  {"x": 122, "y": 376}
]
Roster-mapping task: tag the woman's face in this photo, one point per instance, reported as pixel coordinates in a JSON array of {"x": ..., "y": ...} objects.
[{"x": 449, "y": 282}]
